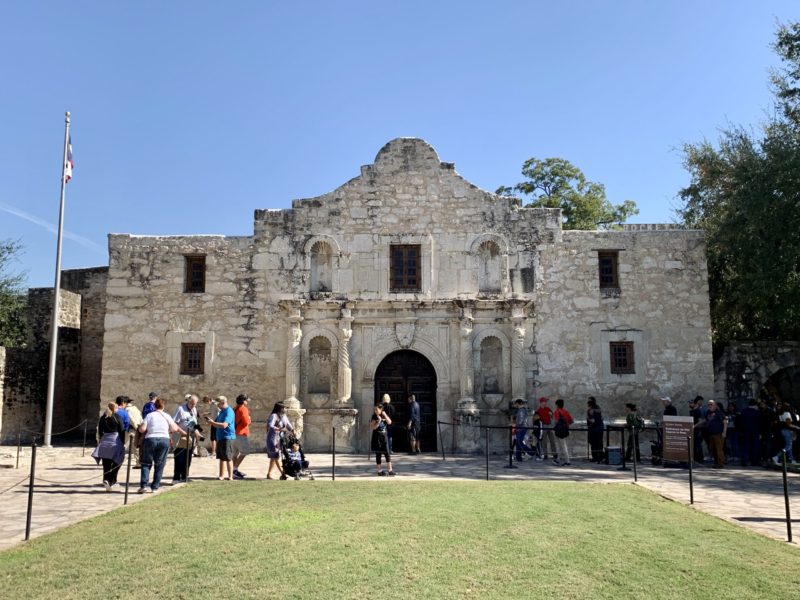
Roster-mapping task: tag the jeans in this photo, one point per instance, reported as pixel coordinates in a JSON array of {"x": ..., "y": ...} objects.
[
  {"x": 154, "y": 451},
  {"x": 787, "y": 445},
  {"x": 519, "y": 443}
]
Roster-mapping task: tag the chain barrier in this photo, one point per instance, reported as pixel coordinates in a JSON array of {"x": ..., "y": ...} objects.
[
  {"x": 41, "y": 433},
  {"x": 5, "y": 491}
]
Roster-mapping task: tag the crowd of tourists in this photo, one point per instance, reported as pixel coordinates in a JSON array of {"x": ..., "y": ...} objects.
[{"x": 756, "y": 436}]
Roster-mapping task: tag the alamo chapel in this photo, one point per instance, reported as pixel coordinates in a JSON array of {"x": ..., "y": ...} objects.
[{"x": 406, "y": 279}]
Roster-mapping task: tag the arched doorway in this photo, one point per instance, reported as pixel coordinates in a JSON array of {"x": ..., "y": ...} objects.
[
  {"x": 784, "y": 385},
  {"x": 401, "y": 374}
]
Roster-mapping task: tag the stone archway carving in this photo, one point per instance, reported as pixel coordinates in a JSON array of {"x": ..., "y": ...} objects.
[{"x": 505, "y": 359}]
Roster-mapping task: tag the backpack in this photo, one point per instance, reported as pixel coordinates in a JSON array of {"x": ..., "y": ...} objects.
[
  {"x": 639, "y": 423},
  {"x": 561, "y": 429}
]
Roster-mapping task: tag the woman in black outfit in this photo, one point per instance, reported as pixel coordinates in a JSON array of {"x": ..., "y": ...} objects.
[
  {"x": 111, "y": 448},
  {"x": 594, "y": 423},
  {"x": 380, "y": 440}
]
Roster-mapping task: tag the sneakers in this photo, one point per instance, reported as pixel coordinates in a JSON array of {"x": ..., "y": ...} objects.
[
  {"x": 238, "y": 474},
  {"x": 382, "y": 473},
  {"x": 392, "y": 473},
  {"x": 538, "y": 459},
  {"x": 556, "y": 463},
  {"x": 107, "y": 486},
  {"x": 297, "y": 476}
]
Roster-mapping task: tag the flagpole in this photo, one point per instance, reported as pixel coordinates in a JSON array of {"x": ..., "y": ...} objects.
[{"x": 51, "y": 373}]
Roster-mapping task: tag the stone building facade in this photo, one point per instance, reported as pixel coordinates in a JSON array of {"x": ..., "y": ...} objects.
[{"x": 409, "y": 279}]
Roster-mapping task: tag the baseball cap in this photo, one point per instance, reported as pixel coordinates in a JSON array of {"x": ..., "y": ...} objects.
[
  {"x": 152, "y": 395},
  {"x": 542, "y": 399},
  {"x": 666, "y": 399}
]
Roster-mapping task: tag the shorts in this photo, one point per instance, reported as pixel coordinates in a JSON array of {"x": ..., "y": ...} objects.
[
  {"x": 414, "y": 430},
  {"x": 213, "y": 434},
  {"x": 225, "y": 449},
  {"x": 241, "y": 445}
]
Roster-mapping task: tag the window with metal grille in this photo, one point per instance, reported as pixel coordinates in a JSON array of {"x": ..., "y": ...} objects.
[
  {"x": 193, "y": 359},
  {"x": 621, "y": 357},
  {"x": 609, "y": 274},
  {"x": 195, "y": 275},
  {"x": 404, "y": 269}
]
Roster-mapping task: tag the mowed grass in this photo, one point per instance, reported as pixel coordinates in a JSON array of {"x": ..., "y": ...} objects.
[{"x": 397, "y": 539}]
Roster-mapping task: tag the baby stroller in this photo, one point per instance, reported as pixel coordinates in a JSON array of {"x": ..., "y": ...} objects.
[{"x": 294, "y": 468}]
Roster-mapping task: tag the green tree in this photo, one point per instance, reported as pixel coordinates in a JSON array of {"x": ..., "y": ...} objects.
[
  {"x": 744, "y": 192},
  {"x": 557, "y": 183},
  {"x": 12, "y": 297}
]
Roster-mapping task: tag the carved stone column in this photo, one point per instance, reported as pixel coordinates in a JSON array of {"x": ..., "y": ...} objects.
[
  {"x": 517, "y": 352},
  {"x": 294, "y": 335},
  {"x": 344, "y": 372},
  {"x": 343, "y": 421},
  {"x": 467, "y": 414}
]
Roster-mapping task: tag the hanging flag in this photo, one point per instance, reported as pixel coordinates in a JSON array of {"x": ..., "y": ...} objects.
[{"x": 69, "y": 163}]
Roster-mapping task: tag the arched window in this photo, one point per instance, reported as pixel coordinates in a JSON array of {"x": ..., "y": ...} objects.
[
  {"x": 321, "y": 267},
  {"x": 490, "y": 267},
  {"x": 319, "y": 366}
]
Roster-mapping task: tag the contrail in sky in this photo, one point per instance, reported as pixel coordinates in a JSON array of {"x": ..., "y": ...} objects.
[{"x": 85, "y": 242}]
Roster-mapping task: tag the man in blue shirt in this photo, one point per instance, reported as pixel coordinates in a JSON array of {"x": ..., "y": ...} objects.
[
  {"x": 414, "y": 424},
  {"x": 150, "y": 406},
  {"x": 225, "y": 423},
  {"x": 122, "y": 413}
]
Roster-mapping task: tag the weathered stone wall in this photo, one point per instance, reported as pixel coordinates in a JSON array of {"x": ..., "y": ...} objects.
[
  {"x": 90, "y": 284},
  {"x": 26, "y": 369},
  {"x": 509, "y": 305},
  {"x": 744, "y": 369}
]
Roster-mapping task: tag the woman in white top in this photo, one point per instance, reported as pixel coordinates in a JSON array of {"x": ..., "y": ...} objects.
[{"x": 156, "y": 428}]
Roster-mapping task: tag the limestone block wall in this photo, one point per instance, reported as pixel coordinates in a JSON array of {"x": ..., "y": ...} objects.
[{"x": 662, "y": 306}]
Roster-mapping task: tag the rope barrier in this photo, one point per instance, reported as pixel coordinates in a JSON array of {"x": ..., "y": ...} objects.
[
  {"x": 41, "y": 433},
  {"x": 23, "y": 480}
]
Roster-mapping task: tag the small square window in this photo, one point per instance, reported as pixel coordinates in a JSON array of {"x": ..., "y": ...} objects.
[
  {"x": 195, "y": 274},
  {"x": 193, "y": 359},
  {"x": 404, "y": 269},
  {"x": 621, "y": 357},
  {"x": 608, "y": 269}
]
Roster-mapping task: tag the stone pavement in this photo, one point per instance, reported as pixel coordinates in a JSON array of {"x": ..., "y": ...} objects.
[{"x": 68, "y": 486}]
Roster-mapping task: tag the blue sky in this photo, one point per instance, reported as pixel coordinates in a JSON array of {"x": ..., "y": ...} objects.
[{"x": 187, "y": 116}]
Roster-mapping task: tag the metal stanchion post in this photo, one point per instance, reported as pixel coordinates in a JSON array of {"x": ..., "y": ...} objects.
[
  {"x": 128, "y": 475},
  {"x": 333, "y": 453},
  {"x": 441, "y": 441},
  {"x": 453, "y": 437},
  {"x": 19, "y": 442},
  {"x": 30, "y": 490},
  {"x": 635, "y": 473},
  {"x": 510, "y": 464},
  {"x": 189, "y": 450},
  {"x": 786, "y": 500},
  {"x": 85, "y": 428},
  {"x": 486, "y": 429},
  {"x": 624, "y": 466},
  {"x": 689, "y": 443}
]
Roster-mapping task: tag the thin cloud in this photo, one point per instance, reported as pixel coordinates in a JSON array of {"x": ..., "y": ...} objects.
[{"x": 78, "y": 239}]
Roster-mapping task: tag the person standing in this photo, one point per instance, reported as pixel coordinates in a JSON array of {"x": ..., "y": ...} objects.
[
  {"x": 787, "y": 432},
  {"x": 634, "y": 424},
  {"x": 414, "y": 424},
  {"x": 241, "y": 445},
  {"x": 157, "y": 427},
  {"x": 595, "y": 425},
  {"x": 135, "y": 417},
  {"x": 122, "y": 413},
  {"x": 716, "y": 426},
  {"x": 696, "y": 411},
  {"x": 150, "y": 405},
  {"x": 186, "y": 418},
  {"x": 750, "y": 434},
  {"x": 562, "y": 420},
  {"x": 380, "y": 442},
  {"x": 521, "y": 427},
  {"x": 277, "y": 423},
  {"x": 669, "y": 409},
  {"x": 211, "y": 410},
  {"x": 226, "y": 434},
  {"x": 546, "y": 418},
  {"x": 390, "y": 412},
  {"x": 110, "y": 449}
]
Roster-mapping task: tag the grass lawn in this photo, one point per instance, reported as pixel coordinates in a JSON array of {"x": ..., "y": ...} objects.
[{"x": 398, "y": 539}]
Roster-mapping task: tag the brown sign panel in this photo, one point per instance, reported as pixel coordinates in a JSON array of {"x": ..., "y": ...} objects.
[{"x": 677, "y": 430}]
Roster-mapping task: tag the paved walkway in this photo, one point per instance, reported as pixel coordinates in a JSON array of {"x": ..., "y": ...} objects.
[{"x": 68, "y": 487}]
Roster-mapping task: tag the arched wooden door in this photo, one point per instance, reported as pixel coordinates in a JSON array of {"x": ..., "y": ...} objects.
[{"x": 401, "y": 374}]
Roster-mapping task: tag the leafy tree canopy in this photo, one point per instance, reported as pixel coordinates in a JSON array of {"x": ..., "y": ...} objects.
[
  {"x": 744, "y": 192},
  {"x": 12, "y": 298},
  {"x": 557, "y": 183}
]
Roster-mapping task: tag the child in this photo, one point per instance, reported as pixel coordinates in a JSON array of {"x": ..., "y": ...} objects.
[
  {"x": 296, "y": 460},
  {"x": 536, "y": 436}
]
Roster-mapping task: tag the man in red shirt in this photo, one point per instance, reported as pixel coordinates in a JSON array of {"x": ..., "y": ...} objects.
[
  {"x": 546, "y": 417},
  {"x": 241, "y": 445}
]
